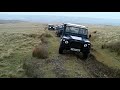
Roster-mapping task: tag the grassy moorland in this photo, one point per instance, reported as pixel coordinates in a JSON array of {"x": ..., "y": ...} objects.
[{"x": 18, "y": 42}]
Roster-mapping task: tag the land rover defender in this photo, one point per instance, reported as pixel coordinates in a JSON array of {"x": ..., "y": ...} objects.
[{"x": 75, "y": 38}]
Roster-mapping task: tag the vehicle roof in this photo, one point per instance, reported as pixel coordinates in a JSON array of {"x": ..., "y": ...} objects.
[
  {"x": 50, "y": 24},
  {"x": 76, "y": 25}
]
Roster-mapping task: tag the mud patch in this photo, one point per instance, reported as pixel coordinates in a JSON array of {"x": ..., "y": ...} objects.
[{"x": 98, "y": 69}]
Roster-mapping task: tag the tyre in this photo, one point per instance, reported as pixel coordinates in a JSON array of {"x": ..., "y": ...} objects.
[
  {"x": 58, "y": 35},
  {"x": 61, "y": 50},
  {"x": 85, "y": 55}
]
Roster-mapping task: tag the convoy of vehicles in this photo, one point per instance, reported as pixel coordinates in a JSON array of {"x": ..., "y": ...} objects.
[{"x": 74, "y": 37}]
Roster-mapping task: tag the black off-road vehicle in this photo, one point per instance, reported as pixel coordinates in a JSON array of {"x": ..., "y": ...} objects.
[
  {"x": 51, "y": 27},
  {"x": 75, "y": 38},
  {"x": 59, "y": 30}
]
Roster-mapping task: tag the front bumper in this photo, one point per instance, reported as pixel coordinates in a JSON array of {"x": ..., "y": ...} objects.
[{"x": 76, "y": 48}]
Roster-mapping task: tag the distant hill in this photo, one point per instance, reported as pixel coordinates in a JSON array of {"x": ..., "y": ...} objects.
[
  {"x": 9, "y": 21},
  {"x": 60, "y": 19}
]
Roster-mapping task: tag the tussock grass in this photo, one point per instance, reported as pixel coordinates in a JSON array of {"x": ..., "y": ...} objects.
[
  {"x": 113, "y": 47},
  {"x": 16, "y": 44},
  {"x": 32, "y": 35},
  {"x": 40, "y": 52},
  {"x": 47, "y": 34},
  {"x": 44, "y": 40},
  {"x": 44, "y": 37}
]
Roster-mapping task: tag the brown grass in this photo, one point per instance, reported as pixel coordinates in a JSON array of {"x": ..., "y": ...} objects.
[
  {"x": 44, "y": 40},
  {"x": 46, "y": 35},
  {"x": 40, "y": 52},
  {"x": 113, "y": 47},
  {"x": 32, "y": 35}
]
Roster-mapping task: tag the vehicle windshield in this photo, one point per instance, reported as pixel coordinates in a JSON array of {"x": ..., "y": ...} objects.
[
  {"x": 51, "y": 25},
  {"x": 61, "y": 26},
  {"x": 76, "y": 30}
]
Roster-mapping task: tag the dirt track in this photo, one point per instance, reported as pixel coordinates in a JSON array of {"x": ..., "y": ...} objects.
[
  {"x": 69, "y": 65},
  {"x": 86, "y": 68}
]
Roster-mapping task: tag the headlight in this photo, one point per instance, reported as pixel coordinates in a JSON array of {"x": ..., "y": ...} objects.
[
  {"x": 88, "y": 44},
  {"x": 63, "y": 39},
  {"x": 85, "y": 45},
  {"x": 66, "y": 42}
]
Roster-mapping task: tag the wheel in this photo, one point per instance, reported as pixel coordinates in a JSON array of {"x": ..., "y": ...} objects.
[
  {"x": 58, "y": 35},
  {"x": 61, "y": 50},
  {"x": 85, "y": 55}
]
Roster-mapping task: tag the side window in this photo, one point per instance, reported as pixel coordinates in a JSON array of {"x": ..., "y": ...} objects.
[
  {"x": 74, "y": 30},
  {"x": 61, "y": 26},
  {"x": 81, "y": 31},
  {"x": 67, "y": 29},
  {"x": 85, "y": 31}
]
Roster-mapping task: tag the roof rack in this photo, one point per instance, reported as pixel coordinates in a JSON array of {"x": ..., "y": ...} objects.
[{"x": 76, "y": 25}]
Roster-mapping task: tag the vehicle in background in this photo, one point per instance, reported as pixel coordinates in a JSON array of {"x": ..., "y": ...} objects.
[
  {"x": 51, "y": 27},
  {"x": 59, "y": 30}
]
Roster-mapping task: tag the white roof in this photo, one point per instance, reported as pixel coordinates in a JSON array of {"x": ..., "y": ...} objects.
[
  {"x": 77, "y": 25},
  {"x": 50, "y": 24}
]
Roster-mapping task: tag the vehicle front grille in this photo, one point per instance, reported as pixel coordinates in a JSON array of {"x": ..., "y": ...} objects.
[{"x": 74, "y": 44}]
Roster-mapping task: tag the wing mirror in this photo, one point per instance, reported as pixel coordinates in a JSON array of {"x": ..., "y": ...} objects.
[{"x": 89, "y": 36}]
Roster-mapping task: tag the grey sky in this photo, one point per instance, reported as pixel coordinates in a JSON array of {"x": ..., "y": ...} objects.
[{"x": 111, "y": 15}]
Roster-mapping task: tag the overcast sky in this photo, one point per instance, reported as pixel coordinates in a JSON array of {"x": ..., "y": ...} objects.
[{"x": 110, "y": 15}]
